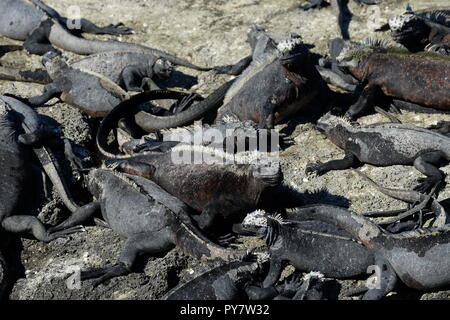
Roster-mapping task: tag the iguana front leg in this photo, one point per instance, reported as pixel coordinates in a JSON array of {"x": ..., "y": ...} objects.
[
  {"x": 364, "y": 102},
  {"x": 386, "y": 278},
  {"x": 78, "y": 216},
  {"x": 234, "y": 69},
  {"x": 426, "y": 164},
  {"x": 276, "y": 267},
  {"x": 87, "y": 26},
  {"x": 51, "y": 91},
  {"x": 315, "y": 4},
  {"x": 349, "y": 161}
]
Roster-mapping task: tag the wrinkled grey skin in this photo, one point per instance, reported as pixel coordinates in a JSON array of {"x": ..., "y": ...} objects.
[
  {"x": 151, "y": 219},
  {"x": 385, "y": 144},
  {"x": 42, "y": 29},
  {"x": 91, "y": 93}
]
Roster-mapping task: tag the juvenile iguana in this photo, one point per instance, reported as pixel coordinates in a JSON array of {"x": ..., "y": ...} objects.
[
  {"x": 151, "y": 219},
  {"x": 427, "y": 29},
  {"x": 418, "y": 258},
  {"x": 417, "y": 78},
  {"x": 385, "y": 144},
  {"x": 90, "y": 92},
  {"x": 42, "y": 28}
]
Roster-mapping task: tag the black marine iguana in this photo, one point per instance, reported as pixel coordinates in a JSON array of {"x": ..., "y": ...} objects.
[
  {"x": 385, "y": 144},
  {"x": 418, "y": 258},
  {"x": 90, "y": 92},
  {"x": 41, "y": 27},
  {"x": 420, "y": 79},
  {"x": 234, "y": 281},
  {"x": 427, "y": 29},
  {"x": 15, "y": 176},
  {"x": 151, "y": 219}
]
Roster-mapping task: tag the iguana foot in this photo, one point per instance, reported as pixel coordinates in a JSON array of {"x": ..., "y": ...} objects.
[
  {"x": 226, "y": 240},
  {"x": 104, "y": 273},
  {"x": 117, "y": 29},
  {"x": 315, "y": 168},
  {"x": 65, "y": 233},
  {"x": 425, "y": 185},
  {"x": 316, "y": 4},
  {"x": 436, "y": 48},
  {"x": 185, "y": 103}
]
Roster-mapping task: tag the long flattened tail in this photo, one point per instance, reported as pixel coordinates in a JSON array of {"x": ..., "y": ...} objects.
[
  {"x": 37, "y": 76},
  {"x": 61, "y": 38},
  {"x": 191, "y": 240},
  {"x": 128, "y": 108}
]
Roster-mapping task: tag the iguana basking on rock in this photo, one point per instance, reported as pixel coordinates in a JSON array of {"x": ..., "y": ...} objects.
[
  {"x": 42, "y": 29},
  {"x": 286, "y": 81},
  {"x": 151, "y": 219},
  {"x": 130, "y": 70},
  {"x": 235, "y": 281},
  {"x": 420, "y": 79},
  {"x": 220, "y": 185},
  {"x": 15, "y": 175},
  {"x": 33, "y": 128},
  {"x": 90, "y": 92},
  {"x": 418, "y": 258},
  {"x": 385, "y": 144},
  {"x": 427, "y": 29}
]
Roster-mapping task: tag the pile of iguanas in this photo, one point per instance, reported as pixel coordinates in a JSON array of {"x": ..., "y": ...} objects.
[{"x": 175, "y": 169}]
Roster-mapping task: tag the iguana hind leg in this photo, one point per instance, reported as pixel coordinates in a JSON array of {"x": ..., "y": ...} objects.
[
  {"x": 386, "y": 278},
  {"x": 51, "y": 91},
  {"x": 32, "y": 225},
  {"x": 79, "y": 216},
  {"x": 427, "y": 164},
  {"x": 364, "y": 102},
  {"x": 349, "y": 160},
  {"x": 38, "y": 40},
  {"x": 87, "y": 26},
  {"x": 151, "y": 243}
]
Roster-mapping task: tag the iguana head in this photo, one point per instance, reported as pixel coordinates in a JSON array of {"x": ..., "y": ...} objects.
[
  {"x": 268, "y": 171},
  {"x": 54, "y": 63},
  {"x": 334, "y": 127},
  {"x": 409, "y": 30},
  {"x": 353, "y": 53},
  {"x": 292, "y": 52},
  {"x": 163, "y": 68},
  {"x": 263, "y": 225}
]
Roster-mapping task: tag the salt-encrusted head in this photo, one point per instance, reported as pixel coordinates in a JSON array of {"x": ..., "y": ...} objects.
[
  {"x": 292, "y": 50},
  {"x": 401, "y": 22},
  {"x": 163, "y": 68}
]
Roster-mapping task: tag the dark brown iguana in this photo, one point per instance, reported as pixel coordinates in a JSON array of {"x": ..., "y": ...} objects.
[{"x": 421, "y": 79}]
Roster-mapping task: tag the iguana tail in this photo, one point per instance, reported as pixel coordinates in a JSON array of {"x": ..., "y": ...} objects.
[
  {"x": 192, "y": 241},
  {"x": 412, "y": 197},
  {"x": 151, "y": 123},
  {"x": 37, "y": 76},
  {"x": 59, "y": 37},
  {"x": 125, "y": 109}
]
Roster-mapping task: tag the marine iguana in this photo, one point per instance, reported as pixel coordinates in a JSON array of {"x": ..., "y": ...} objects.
[
  {"x": 33, "y": 128},
  {"x": 41, "y": 27},
  {"x": 427, "y": 29},
  {"x": 15, "y": 176},
  {"x": 417, "y": 78},
  {"x": 286, "y": 81},
  {"x": 418, "y": 258},
  {"x": 234, "y": 281},
  {"x": 385, "y": 144},
  {"x": 151, "y": 219},
  {"x": 90, "y": 92},
  {"x": 129, "y": 69},
  {"x": 220, "y": 185}
]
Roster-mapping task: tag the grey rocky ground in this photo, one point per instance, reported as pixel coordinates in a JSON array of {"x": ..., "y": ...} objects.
[{"x": 206, "y": 33}]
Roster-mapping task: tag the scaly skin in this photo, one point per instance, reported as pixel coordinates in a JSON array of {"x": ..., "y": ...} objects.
[
  {"x": 151, "y": 219},
  {"x": 417, "y": 78}
]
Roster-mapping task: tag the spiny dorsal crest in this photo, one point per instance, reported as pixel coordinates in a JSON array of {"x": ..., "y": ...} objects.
[
  {"x": 277, "y": 218},
  {"x": 289, "y": 45},
  {"x": 313, "y": 274},
  {"x": 376, "y": 43}
]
